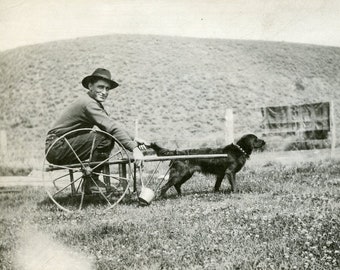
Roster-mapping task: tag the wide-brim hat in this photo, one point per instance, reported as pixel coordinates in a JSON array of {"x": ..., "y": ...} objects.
[{"x": 100, "y": 73}]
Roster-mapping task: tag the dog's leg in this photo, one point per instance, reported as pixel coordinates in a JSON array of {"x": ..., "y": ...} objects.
[
  {"x": 165, "y": 188},
  {"x": 231, "y": 177},
  {"x": 176, "y": 181},
  {"x": 181, "y": 181},
  {"x": 174, "y": 178},
  {"x": 218, "y": 182},
  {"x": 178, "y": 189}
]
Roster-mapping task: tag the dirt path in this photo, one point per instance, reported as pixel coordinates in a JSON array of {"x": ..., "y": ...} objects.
[{"x": 10, "y": 181}]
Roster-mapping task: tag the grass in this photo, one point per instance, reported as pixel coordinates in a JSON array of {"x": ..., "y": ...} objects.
[{"x": 284, "y": 217}]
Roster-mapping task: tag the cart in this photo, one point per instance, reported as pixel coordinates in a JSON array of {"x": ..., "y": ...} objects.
[{"x": 65, "y": 184}]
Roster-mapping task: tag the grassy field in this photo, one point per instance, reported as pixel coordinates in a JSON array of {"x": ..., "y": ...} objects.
[
  {"x": 284, "y": 217},
  {"x": 178, "y": 88}
]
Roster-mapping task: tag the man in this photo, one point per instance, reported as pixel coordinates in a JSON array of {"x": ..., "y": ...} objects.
[{"x": 87, "y": 112}]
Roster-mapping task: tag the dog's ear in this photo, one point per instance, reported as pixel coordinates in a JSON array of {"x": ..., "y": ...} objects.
[{"x": 254, "y": 141}]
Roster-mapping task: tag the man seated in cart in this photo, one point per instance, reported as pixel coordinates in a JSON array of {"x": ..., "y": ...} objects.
[{"x": 87, "y": 112}]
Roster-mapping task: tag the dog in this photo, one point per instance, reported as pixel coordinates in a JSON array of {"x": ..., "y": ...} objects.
[{"x": 183, "y": 170}]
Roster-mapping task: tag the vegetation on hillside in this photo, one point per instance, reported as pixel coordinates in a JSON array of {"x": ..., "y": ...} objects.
[{"x": 178, "y": 88}]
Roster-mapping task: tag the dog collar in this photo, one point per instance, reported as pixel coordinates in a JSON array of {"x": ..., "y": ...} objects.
[{"x": 240, "y": 148}]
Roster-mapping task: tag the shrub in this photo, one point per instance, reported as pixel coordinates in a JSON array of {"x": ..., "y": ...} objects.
[
  {"x": 307, "y": 145},
  {"x": 6, "y": 170}
]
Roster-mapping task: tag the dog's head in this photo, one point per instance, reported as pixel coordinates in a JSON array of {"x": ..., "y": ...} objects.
[{"x": 249, "y": 142}]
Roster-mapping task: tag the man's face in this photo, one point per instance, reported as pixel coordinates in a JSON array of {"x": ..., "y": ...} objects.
[{"x": 99, "y": 90}]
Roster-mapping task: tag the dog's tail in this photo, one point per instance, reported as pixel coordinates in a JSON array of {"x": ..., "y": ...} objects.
[{"x": 160, "y": 151}]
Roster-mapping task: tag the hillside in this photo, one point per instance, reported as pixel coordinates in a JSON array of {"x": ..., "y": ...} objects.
[{"x": 178, "y": 88}]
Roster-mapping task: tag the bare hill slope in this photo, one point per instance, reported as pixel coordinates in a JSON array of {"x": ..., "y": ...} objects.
[{"x": 179, "y": 88}]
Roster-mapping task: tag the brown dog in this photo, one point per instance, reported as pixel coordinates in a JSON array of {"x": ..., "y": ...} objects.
[{"x": 182, "y": 170}]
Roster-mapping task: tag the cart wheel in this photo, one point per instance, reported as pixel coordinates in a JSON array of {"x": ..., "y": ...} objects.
[{"x": 65, "y": 184}]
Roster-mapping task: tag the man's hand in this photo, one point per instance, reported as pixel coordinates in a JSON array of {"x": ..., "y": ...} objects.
[
  {"x": 138, "y": 157},
  {"x": 142, "y": 144}
]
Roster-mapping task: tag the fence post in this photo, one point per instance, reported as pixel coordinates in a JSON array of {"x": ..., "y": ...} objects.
[
  {"x": 136, "y": 127},
  {"x": 229, "y": 126},
  {"x": 332, "y": 127},
  {"x": 3, "y": 145},
  {"x": 134, "y": 164}
]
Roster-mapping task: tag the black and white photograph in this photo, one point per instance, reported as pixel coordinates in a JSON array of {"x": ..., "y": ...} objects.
[{"x": 159, "y": 134}]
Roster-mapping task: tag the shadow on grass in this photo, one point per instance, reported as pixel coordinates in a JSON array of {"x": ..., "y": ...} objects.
[
  {"x": 73, "y": 202},
  {"x": 199, "y": 194}
]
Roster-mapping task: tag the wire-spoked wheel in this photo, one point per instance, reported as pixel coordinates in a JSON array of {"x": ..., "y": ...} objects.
[{"x": 66, "y": 184}]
